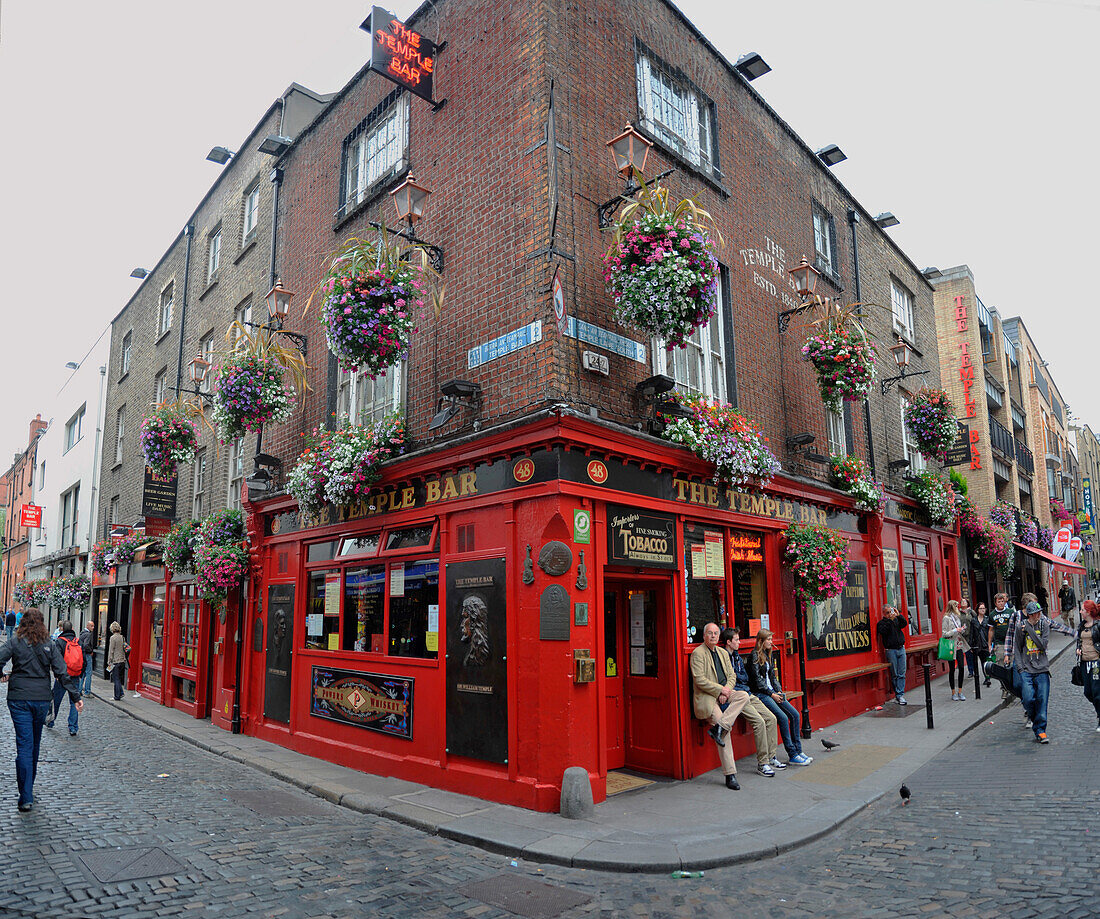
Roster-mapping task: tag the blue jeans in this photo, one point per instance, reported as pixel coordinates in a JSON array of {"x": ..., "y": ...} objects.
[
  {"x": 896, "y": 657},
  {"x": 786, "y": 716},
  {"x": 85, "y": 682},
  {"x": 59, "y": 694},
  {"x": 27, "y": 718},
  {"x": 10, "y": 629},
  {"x": 1036, "y": 692}
]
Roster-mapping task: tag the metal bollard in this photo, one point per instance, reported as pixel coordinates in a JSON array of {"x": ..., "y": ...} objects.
[
  {"x": 978, "y": 674},
  {"x": 928, "y": 693}
]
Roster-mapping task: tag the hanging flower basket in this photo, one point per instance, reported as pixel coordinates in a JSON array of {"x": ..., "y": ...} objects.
[
  {"x": 994, "y": 549},
  {"x": 123, "y": 552},
  {"x": 934, "y": 493},
  {"x": 970, "y": 521},
  {"x": 845, "y": 363},
  {"x": 930, "y": 418},
  {"x": 221, "y": 527},
  {"x": 722, "y": 435},
  {"x": 1003, "y": 515},
  {"x": 818, "y": 558},
  {"x": 98, "y": 557},
  {"x": 39, "y": 592},
  {"x": 179, "y": 549},
  {"x": 220, "y": 568},
  {"x": 1058, "y": 511},
  {"x": 851, "y": 475},
  {"x": 660, "y": 269},
  {"x": 168, "y": 439},
  {"x": 249, "y": 393},
  {"x": 340, "y": 466},
  {"x": 1029, "y": 532},
  {"x": 1045, "y": 539},
  {"x": 21, "y": 593},
  {"x": 71, "y": 591}
]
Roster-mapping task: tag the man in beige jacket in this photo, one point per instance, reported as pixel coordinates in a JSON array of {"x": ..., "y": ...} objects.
[{"x": 714, "y": 698}]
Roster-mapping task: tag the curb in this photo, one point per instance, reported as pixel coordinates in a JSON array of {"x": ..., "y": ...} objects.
[{"x": 639, "y": 864}]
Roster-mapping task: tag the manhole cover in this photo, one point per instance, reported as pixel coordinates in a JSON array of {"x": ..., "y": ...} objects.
[
  {"x": 131, "y": 864},
  {"x": 523, "y": 896},
  {"x": 897, "y": 711},
  {"x": 269, "y": 803}
]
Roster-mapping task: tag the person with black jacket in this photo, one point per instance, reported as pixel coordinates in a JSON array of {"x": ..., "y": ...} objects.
[
  {"x": 981, "y": 636},
  {"x": 9, "y": 623},
  {"x": 62, "y": 641},
  {"x": 764, "y": 684},
  {"x": 32, "y": 656},
  {"x": 891, "y": 635},
  {"x": 87, "y": 645}
]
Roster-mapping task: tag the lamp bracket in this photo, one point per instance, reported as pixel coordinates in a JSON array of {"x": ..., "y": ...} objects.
[
  {"x": 275, "y": 327},
  {"x": 205, "y": 397},
  {"x": 605, "y": 210},
  {"x": 785, "y": 316},
  {"x": 890, "y": 381},
  {"x": 435, "y": 254}
]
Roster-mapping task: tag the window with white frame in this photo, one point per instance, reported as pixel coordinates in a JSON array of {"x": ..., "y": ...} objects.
[
  {"x": 112, "y": 510},
  {"x": 120, "y": 428},
  {"x": 42, "y": 475},
  {"x": 837, "y": 436},
  {"x": 206, "y": 349},
  {"x": 242, "y": 315},
  {"x": 699, "y": 369},
  {"x": 364, "y": 400},
  {"x": 902, "y": 302},
  {"x": 165, "y": 317},
  {"x": 236, "y": 472},
  {"x": 916, "y": 461},
  {"x": 127, "y": 350},
  {"x": 376, "y": 149},
  {"x": 160, "y": 386},
  {"x": 824, "y": 242},
  {"x": 74, "y": 428},
  {"x": 70, "y": 511},
  {"x": 251, "y": 212},
  {"x": 198, "y": 500},
  {"x": 213, "y": 253},
  {"x": 675, "y": 112}
]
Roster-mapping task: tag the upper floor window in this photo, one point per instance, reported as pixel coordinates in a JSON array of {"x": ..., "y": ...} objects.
[
  {"x": 70, "y": 511},
  {"x": 120, "y": 429},
  {"x": 213, "y": 253},
  {"x": 127, "y": 350},
  {"x": 917, "y": 462},
  {"x": 199, "y": 492},
  {"x": 902, "y": 303},
  {"x": 242, "y": 315},
  {"x": 675, "y": 112},
  {"x": 206, "y": 349},
  {"x": 837, "y": 436},
  {"x": 42, "y": 475},
  {"x": 112, "y": 510},
  {"x": 165, "y": 321},
  {"x": 376, "y": 149},
  {"x": 364, "y": 400},
  {"x": 251, "y": 212},
  {"x": 236, "y": 472},
  {"x": 699, "y": 369},
  {"x": 74, "y": 429},
  {"x": 825, "y": 242},
  {"x": 161, "y": 387}
]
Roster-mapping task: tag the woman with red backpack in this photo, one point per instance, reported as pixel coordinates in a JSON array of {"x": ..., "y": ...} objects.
[{"x": 73, "y": 656}]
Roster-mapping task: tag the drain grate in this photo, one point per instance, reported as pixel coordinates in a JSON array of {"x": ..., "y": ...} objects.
[
  {"x": 523, "y": 896},
  {"x": 274, "y": 803},
  {"x": 130, "y": 864}
]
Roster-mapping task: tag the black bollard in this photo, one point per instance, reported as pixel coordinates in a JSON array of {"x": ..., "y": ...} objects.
[
  {"x": 928, "y": 693},
  {"x": 978, "y": 674}
]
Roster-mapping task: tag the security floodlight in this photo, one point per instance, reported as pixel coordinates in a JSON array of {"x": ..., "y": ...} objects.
[
  {"x": 886, "y": 220},
  {"x": 831, "y": 154},
  {"x": 140, "y": 273},
  {"x": 751, "y": 66},
  {"x": 275, "y": 144},
  {"x": 220, "y": 155},
  {"x": 932, "y": 272}
]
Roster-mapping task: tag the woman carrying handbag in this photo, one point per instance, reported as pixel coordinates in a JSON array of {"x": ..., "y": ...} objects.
[
  {"x": 952, "y": 628},
  {"x": 1088, "y": 654}
]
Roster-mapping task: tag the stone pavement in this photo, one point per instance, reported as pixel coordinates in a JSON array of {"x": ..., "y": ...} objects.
[{"x": 659, "y": 828}]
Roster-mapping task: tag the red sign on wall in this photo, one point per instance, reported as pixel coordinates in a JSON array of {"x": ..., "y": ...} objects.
[
  {"x": 30, "y": 516},
  {"x": 400, "y": 54}
]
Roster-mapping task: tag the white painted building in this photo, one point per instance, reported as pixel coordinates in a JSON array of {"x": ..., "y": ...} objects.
[{"x": 66, "y": 473}]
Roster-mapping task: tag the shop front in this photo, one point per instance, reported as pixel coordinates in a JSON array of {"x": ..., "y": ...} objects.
[{"x": 484, "y": 621}]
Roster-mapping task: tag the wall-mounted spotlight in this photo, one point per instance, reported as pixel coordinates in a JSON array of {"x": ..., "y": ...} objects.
[
  {"x": 831, "y": 154},
  {"x": 751, "y": 65},
  {"x": 457, "y": 394}
]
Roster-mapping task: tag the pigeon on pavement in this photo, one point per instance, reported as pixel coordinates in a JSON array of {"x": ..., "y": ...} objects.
[
  {"x": 828, "y": 744},
  {"x": 905, "y": 794}
]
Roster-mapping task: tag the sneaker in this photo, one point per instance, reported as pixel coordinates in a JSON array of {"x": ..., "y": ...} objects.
[
  {"x": 1027, "y": 723},
  {"x": 765, "y": 769},
  {"x": 954, "y": 697},
  {"x": 801, "y": 759},
  {"x": 777, "y": 763},
  {"x": 1042, "y": 737},
  {"x": 1098, "y": 729},
  {"x": 962, "y": 698},
  {"x": 25, "y": 807},
  {"x": 901, "y": 700}
]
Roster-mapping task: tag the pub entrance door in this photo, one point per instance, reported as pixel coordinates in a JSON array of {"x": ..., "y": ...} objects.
[{"x": 639, "y": 669}]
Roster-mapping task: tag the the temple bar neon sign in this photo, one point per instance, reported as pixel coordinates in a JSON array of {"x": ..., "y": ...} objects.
[{"x": 399, "y": 53}]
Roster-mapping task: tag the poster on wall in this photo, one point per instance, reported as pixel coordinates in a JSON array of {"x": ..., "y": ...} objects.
[
  {"x": 366, "y": 700},
  {"x": 477, "y": 675},
  {"x": 841, "y": 624},
  {"x": 280, "y": 641}
]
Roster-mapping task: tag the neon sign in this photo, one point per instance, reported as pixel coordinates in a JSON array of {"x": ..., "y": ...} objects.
[{"x": 400, "y": 54}]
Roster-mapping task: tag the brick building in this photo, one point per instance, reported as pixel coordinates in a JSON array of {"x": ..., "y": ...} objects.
[
  {"x": 19, "y": 491},
  {"x": 1088, "y": 455}
]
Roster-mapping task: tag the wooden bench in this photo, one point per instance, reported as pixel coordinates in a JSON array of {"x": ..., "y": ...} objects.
[{"x": 846, "y": 674}]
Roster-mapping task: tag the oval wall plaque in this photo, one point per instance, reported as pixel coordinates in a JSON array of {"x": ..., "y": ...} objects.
[{"x": 555, "y": 558}]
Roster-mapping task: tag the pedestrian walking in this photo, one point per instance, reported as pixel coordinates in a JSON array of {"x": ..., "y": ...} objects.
[
  {"x": 117, "y": 649},
  {"x": 1068, "y": 600},
  {"x": 981, "y": 637},
  {"x": 1028, "y": 638},
  {"x": 1088, "y": 654},
  {"x": 764, "y": 684},
  {"x": 32, "y": 656},
  {"x": 87, "y": 645},
  {"x": 70, "y": 648},
  {"x": 966, "y": 617},
  {"x": 891, "y": 635},
  {"x": 952, "y": 628},
  {"x": 1000, "y": 616},
  {"x": 10, "y": 623}
]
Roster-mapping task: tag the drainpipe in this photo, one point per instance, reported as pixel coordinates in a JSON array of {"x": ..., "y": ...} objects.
[
  {"x": 853, "y": 219},
  {"x": 93, "y": 511},
  {"x": 189, "y": 232}
]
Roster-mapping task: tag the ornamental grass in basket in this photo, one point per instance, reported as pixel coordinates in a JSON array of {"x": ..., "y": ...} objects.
[
  {"x": 818, "y": 558},
  {"x": 660, "y": 269},
  {"x": 720, "y": 434}
]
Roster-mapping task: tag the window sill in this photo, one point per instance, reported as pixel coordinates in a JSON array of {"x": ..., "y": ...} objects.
[
  {"x": 124, "y": 376},
  {"x": 248, "y": 246},
  {"x": 909, "y": 339},
  {"x": 380, "y": 188},
  {"x": 209, "y": 287},
  {"x": 712, "y": 179},
  {"x": 116, "y": 466},
  {"x": 163, "y": 335}
]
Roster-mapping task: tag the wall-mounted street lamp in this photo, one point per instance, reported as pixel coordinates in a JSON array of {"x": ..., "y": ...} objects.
[
  {"x": 278, "y": 306},
  {"x": 629, "y": 151},
  {"x": 805, "y": 278},
  {"x": 902, "y": 353},
  {"x": 410, "y": 200}
]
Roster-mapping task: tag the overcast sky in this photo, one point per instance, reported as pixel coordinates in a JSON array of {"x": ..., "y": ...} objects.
[{"x": 974, "y": 121}]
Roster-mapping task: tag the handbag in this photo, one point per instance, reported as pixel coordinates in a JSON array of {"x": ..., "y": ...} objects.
[
  {"x": 1076, "y": 677},
  {"x": 947, "y": 650}
]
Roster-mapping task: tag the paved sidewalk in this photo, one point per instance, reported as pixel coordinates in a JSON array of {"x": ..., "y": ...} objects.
[{"x": 661, "y": 827}]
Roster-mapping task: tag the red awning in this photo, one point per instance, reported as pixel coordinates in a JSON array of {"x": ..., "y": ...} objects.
[{"x": 1060, "y": 563}]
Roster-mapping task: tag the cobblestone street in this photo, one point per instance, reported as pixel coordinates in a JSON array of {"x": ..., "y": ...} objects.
[{"x": 122, "y": 800}]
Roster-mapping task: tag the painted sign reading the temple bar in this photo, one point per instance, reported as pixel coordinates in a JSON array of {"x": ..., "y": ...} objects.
[
  {"x": 367, "y": 700},
  {"x": 842, "y": 624}
]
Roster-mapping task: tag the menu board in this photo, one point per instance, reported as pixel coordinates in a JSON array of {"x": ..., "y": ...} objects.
[{"x": 715, "y": 557}]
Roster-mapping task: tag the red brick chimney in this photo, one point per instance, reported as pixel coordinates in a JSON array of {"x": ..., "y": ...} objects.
[{"x": 37, "y": 427}]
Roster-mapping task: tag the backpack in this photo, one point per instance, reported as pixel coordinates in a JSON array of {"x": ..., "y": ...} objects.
[{"x": 74, "y": 657}]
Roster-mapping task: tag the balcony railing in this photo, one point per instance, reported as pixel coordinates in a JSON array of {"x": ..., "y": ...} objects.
[
  {"x": 1001, "y": 438},
  {"x": 993, "y": 394},
  {"x": 1018, "y": 420},
  {"x": 1056, "y": 409},
  {"x": 1025, "y": 462}
]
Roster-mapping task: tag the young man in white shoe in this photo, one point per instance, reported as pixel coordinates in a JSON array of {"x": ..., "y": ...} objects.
[{"x": 891, "y": 635}]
